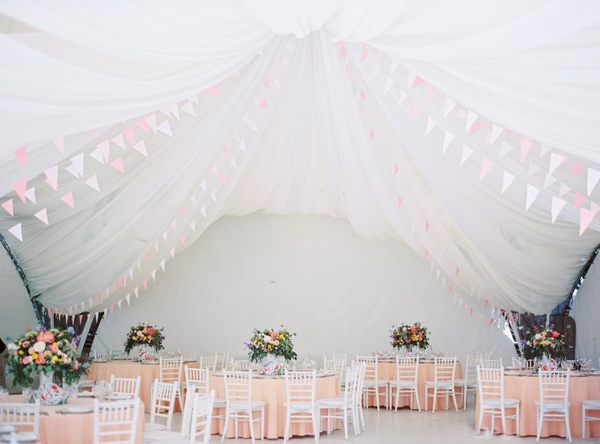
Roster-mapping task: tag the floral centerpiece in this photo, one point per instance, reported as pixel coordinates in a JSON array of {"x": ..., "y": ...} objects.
[
  {"x": 271, "y": 342},
  {"x": 409, "y": 336},
  {"x": 50, "y": 352},
  {"x": 144, "y": 334},
  {"x": 547, "y": 342}
]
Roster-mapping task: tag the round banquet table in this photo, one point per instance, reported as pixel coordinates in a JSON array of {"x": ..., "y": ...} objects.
[
  {"x": 72, "y": 428},
  {"x": 271, "y": 389},
  {"x": 386, "y": 371},
  {"x": 124, "y": 368},
  {"x": 525, "y": 386}
]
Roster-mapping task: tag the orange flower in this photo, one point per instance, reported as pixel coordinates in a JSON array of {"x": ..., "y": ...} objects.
[
  {"x": 45, "y": 336},
  {"x": 40, "y": 360}
]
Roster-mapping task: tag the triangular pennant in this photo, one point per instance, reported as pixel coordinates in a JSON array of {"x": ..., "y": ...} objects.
[
  {"x": 172, "y": 253},
  {"x": 504, "y": 149},
  {"x": 579, "y": 199},
  {"x": 471, "y": 118},
  {"x": 136, "y": 292},
  {"x": 140, "y": 147},
  {"x": 20, "y": 188},
  {"x": 174, "y": 108},
  {"x": 585, "y": 219},
  {"x": 242, "y": 145},
  {"x": 77, "y": 161},
  {"x": 188, "y": 107},
  {"x": 556, "y": 160},
  {"x": 448, "y": 138},
  {"x": 21, "y": 155},
  {"x": 577, "y": 168},
  {"x": 430, "y": 92},
  {"x": 8, "y": 206},
  {"x": 30, "y": 194},
  {"x": 119, "y": 141},
  {"x": 592, "y": 180},
  {"x": 402, "y": 98},
  {"x": 193, "y": 225},
  {"x": 93, "y": 183},
  {"x": 60, "y": 143},
  {"x": 52, "y": 177},
  {"x": 430, "y": 124},
  {"x": 104, "y": 149},
  {"x": 128, "y": 299},
  {"x": 42, "y": 215},
  {"x": 165, "y": 128},
  {"x": 449, "y": 104},
  {"x": 119, "y": 303},
  {"x": 153, "y": 274},
  {"x": 129, "y": 134},
  {"x": 486, "y": 166},
  {"x": 389, "y": 82},
  {"x": 532, "y": 194},
  {"x": 97, "y": 155},
  {"x": 16, "y": 232},
  {"x": 544, "y": 149},
  {"x": 118, "y": 164},
  {"x": 467, "y": 151},
  {"x": 564, "y": 189},
  {"x": 525, "y": 147},
  {"x": 68, "y": 199},
  {"x": 496, "y": 131},
  {"x": 416, "y": 110},
  {"x": 533, "y": 168},
  {"x": 548, "y": 180},
  {"x": 507, "y": 180},
  {"x": 72, "y": 169},
  {"x": 557, "y": 206},
  {"x": 152, "y": 123},
  {"x": 475, "y": 127}
]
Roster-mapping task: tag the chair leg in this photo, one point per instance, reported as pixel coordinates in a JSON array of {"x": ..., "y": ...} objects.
[
  {"x": 583, "y": 421},
  {"x": 568, "y": 426},
  {"x": 539, "y": 424}
]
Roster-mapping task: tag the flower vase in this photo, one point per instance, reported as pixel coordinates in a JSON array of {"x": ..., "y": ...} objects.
[
  {"x": 50, "y": 393},
  {"x": 271, "y": 366}
]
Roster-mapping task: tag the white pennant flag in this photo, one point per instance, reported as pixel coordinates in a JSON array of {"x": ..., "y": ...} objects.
[
  {"x": 466, "y": 154},
  {"x": 532, "y": 194},
  {"x": 507, "y": 181},
  {"x": 592, "y": 180},
  {"x": 557, "y": 206}
]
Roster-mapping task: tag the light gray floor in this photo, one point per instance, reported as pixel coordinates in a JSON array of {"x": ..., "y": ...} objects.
[{"x": 408, "y": 427}]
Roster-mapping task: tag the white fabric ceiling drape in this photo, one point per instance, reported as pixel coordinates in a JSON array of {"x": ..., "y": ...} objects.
[{"x": 468, "y": 130}]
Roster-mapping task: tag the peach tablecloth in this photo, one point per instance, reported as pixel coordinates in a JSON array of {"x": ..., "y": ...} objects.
[
  {"x": 101, "y": 371},
  {"x": 526, "y": 388},
  {"x": 272, "y": 390},
  {"x": 73, "y": 428},
  {"x": 387, "y": 372}
]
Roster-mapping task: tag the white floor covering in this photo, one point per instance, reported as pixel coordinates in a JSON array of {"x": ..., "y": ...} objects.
[{"x": 410, "y": 427}]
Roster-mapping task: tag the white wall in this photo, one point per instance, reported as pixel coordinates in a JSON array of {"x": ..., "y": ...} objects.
[{"x": 337, "y": 291}]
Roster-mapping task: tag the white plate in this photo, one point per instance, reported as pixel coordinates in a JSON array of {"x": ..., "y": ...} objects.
[
  {"x": 99, "y": 360},
  {"x": 27, "y": 437},
  {"x": 6, "y": 429},
  {"x": 118, "y": 397},
  {"x": 509, "y": 373},
  {"x": 85, "y": 394},
  {"x": 78, "y": 410},
  {"x": 578, "y": 375}
]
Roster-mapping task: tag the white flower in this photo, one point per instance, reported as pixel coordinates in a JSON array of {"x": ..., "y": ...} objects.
[
  {"x": 12, "y": 347},
  {"x": 538, "y": 336},
  {"x": 39, "y": 346}
]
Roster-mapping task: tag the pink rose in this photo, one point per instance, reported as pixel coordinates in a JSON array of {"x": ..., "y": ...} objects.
[
  {"x": 45, "y": 336},
  {"x": 76, "y": 365},
  {"x": 26, "y": 360},
  {"x": 53, "y": 349}
]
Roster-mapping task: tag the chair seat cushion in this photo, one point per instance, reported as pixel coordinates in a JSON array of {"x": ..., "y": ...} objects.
[{"x": 154, "y": 427}]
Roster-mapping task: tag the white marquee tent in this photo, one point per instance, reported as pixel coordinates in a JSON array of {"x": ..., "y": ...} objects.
[{"x": 434, "y": 160}]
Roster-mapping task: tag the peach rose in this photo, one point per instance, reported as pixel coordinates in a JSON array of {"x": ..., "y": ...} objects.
[
  {"x": 45, "y": 336},
  {"x": 40, "y": 360}
]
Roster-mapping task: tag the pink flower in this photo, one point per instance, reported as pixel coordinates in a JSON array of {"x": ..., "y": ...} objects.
[
  {"x": 53, "y": 349},
  {"x": 40, "y": 360},
  {"x": 45, "y": 336},
  {"x": 26, "y": 360}
]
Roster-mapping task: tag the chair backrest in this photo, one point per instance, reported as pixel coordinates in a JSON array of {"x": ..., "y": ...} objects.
[
  {"x": 25, "y": 417},
  {"x": 361, "y": 369},
  {"x": 241, "y": 364},
  {"x": 554, "y": 387},
  {"x": 300, "y": 387},
  {"x": 490, "y": 383},
  {"x": 188, "y": 355},
  {"x": 202, "y": 416},
  {"x": 238, "y": 386},
  {"x": 407, "y": 368},
  {"x": 336, "y": 366},
  {"x": 116, "y": 422},
  {"x": 126, "y": 386},
  {"x": 491, "y": 363},
  {"x": 208, "y": 362},
  {"x": 198, "y": 377},
  {"x": 171, "y": 369},
  {"x": 371, "y": 370},
  {"x": 186, "y": 414},
  {"x": 471, "y": 369},
  {"x": 352, "y": 384},
  {"x": 163, "y": 401},
  {"x": 221, "y": 360},
  {"x": 445, "y": 369}
]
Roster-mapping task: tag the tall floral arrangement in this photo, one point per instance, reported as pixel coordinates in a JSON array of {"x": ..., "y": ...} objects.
[
  {"x": 144, "y": 334},
  {"x": 547, "y": 342},
  {"x": 46, "y": 351},
  {"x": 271, "y": 342},
  {"x": 408, "y": 336}
]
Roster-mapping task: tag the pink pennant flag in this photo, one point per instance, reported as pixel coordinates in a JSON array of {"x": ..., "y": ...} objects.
[
  {"x": 112, "y": 309},
  {"x": 557, "y": 206},
  {"x": 8, "y": 206},
  {"x": 118, "y": 164},
  {"x": 564, "y": 189},
  {"x": 213, "y": 90},
  {"x": 526, "y": 145},
  {"x": 182, "y": 239},
  {"x": 21, "y": 155},
  {"x": 418, "y": 82},
  {"x": 263, "y": 104},
  {"x": 129, "y": 134},
  {"x": 371, "y": 134},
  {"x": 342, "y": 51},
  {"x": 97, "y": 155},
  {"x": 361, "y": 95},
  {"x": 577, "y": 168},
  {"x": 585, "y": 218},
  {"x": 364, "y": 53},
  {"x": 73, "y": 170},
  {"x": 174, "y": 224},
  {"x": 426, "y": 253},
  {"x": 457, "y": 271},
  {"x": 16, "y": 232},
  {"x": 579, "y": 199},
  {"x": 426, "y": 226},
  {"x": 486, "y": 166},
  {"x": 52, "y": 177},
  {"x": 415, "y": 111},
  {"x": 68, "y": 199},
  {"x": 399, "y": 201},
  {"x": 471, "y": 119},
  {"x": 144, "y": 125},
  {"x": 145, "y": 284},
  {"x": 396, "y": 169},
  {"x": 475, "y": 127},
  {"x": 20, "y": 188},
  {"x": 60, "y": 143},
  {"x": 42, "y": 215},
  {"x": 430, "y": 92}
]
